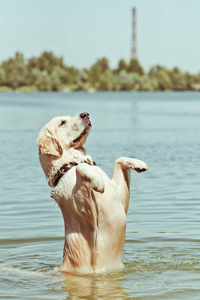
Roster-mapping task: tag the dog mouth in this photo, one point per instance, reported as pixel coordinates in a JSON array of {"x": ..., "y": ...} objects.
[{"x": 84, "y": 132}]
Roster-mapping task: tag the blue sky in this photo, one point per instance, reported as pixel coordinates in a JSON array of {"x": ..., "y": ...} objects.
[{"x": 168, "y": 31}]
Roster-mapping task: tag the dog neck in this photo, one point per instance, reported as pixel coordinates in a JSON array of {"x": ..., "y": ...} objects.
[
  {"x": 65, "y": 168},
  {"x": 51, "y": 165}
]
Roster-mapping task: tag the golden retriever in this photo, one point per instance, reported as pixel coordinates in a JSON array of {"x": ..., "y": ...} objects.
[{"x": 93, "y": 206}]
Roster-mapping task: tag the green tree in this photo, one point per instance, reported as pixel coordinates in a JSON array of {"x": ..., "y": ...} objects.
[
  {"x": 164, "y": 80},
  {"x": 178, "y": 80},
  {"x": 48, "y": 72},
  {"x": 97, "y": 70},
  {"x": 56, "y": 76},
  {"x": 45, "y": 62},
  {"x": 147, "y": 83},
  {"x": 135, "y": 67},
  {"x": 71, "y": 76},
  {"x": 105, "y": 82},
  {"x": 162, "y": 76},
  {"x": 2, "y": 76},
  {"x": 121, "y": 66},
  {"x": 195, "y": 84},
  {"x": 15, "y": 71},
  {"x": 41, "y": 80},
  {"x": 126, "y": 81},
  {"x": 192, "y": 81},
  {"x": 82, "y": 81}
]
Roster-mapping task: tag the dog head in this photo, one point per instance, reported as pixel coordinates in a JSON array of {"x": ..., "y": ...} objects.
[{"x": 62, "y": 133}]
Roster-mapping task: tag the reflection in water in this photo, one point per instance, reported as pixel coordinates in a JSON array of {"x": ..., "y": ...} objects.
[{"x": 98, "y": 286}]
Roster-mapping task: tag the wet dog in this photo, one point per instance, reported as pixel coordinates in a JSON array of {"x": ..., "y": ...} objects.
[{"x": 93, "y": 206}]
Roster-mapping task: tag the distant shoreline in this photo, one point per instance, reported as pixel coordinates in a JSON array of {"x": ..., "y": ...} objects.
[
  {"x": 93, "y": 92},
  {"x": 49, "y": 73}
]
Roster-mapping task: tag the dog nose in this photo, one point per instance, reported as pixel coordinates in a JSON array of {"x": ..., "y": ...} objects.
[{"x": 84, "y": 115}]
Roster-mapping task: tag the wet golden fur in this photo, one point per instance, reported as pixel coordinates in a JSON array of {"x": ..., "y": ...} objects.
[{"x": 93, "y": 206}]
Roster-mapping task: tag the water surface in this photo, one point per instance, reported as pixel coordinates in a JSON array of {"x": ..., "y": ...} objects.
[{"x": 161, "y": 252}]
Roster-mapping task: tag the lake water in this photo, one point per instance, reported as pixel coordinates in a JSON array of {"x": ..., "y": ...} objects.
[{"x": 162, "y": 247}]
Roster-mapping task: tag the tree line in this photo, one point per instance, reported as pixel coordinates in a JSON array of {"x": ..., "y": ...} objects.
[{"x": 49, "y": 73}]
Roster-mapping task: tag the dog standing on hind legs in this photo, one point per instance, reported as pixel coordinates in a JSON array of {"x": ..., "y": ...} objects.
[{"x": 93, "y": 206}]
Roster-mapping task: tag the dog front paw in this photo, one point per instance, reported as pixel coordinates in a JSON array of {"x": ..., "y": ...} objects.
[
  {"x": 92, "y": 176},
  {"x": 132, "y": 163},
  {"x": 139, "y": 166}
]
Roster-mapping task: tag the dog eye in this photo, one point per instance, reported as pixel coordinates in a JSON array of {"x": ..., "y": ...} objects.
[{"x": 62, "y": 123}]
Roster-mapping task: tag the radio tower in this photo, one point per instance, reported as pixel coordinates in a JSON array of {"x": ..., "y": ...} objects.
[{"x": 133, "y": 54}]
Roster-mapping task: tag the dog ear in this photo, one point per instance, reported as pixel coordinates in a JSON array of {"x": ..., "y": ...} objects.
[{"x": 49, "y": 144}]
